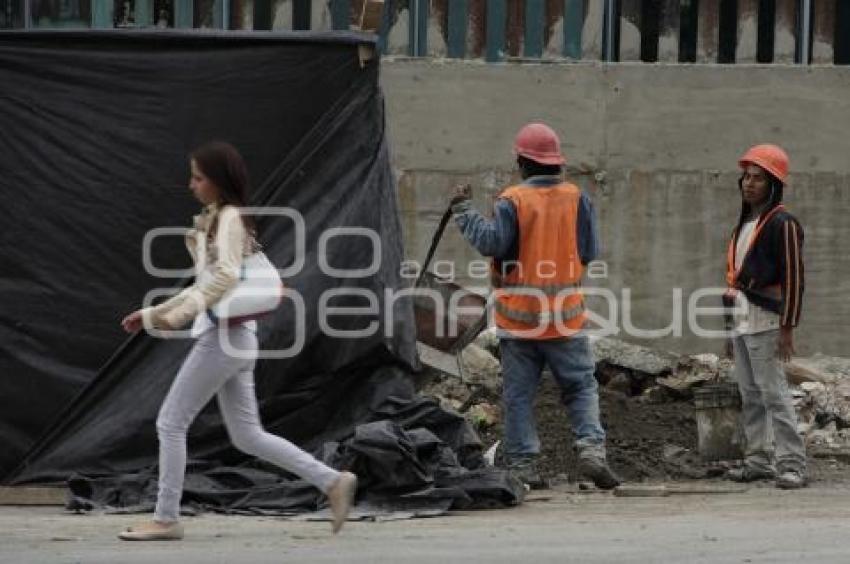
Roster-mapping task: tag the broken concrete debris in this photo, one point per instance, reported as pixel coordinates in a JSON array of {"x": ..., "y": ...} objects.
[
  {"x": 481, "y": 368},
  {"x": 822, "y": 401},
  {"x": 647, "y": 389},
  {"x": 489, "y": 341}
]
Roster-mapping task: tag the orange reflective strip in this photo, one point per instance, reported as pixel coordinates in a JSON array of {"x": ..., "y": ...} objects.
[{"x": 730, "y": 254}]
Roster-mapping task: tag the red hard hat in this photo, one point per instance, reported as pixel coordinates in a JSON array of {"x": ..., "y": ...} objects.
[
  {"x": 770, "y": 157},
  {"x": 540, "y": 143}
]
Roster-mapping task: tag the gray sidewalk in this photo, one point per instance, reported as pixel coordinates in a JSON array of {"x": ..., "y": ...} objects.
[{"x": 762, "y": 525}]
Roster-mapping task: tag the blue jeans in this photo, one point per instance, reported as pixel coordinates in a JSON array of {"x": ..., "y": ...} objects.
[{"x": 572, "y": 365}]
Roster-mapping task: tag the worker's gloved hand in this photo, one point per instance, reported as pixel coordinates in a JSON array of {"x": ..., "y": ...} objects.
[{"x": 462, "y": 193}]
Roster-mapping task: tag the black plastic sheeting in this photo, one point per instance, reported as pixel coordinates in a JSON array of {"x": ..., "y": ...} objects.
[
  {"x": 410, "y": 455},
  {"x": 95, "y": 129}
]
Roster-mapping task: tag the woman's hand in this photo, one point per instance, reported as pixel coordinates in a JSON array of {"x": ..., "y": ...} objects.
[
  {"x": 133, "y": 322},
  {"x": 786, "y": 343}
]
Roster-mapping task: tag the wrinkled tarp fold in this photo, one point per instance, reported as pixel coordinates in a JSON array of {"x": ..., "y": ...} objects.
[{"x": 411, "y": 455}]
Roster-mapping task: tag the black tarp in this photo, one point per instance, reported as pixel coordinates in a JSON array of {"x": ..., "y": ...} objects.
[{"x": 95, "y": 129}]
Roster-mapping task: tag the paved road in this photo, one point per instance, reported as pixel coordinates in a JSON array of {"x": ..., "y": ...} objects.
[{"x": 760, "y": 526}]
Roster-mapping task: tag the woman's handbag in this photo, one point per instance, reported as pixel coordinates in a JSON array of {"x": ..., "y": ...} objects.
[{"x": 258, "y": 292}]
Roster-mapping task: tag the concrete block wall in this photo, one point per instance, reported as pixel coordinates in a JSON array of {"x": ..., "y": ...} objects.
[{"x": 656, "y": 146}]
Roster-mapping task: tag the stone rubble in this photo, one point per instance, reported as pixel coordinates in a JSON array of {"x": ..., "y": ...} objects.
[{"x": 820, "y": 385}]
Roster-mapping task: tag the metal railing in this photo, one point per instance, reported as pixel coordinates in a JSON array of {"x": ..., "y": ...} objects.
[{"x": 667, "y": 31}]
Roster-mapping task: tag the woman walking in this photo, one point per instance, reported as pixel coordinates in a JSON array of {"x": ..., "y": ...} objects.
[{"x": 220, "y": 240}]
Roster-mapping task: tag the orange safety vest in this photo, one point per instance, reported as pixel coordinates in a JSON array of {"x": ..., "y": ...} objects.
[
  {"x": 539, "y": 296},
  {"x": 732, "y": 272}
]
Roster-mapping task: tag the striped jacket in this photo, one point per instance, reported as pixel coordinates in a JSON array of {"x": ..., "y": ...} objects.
[{"x": 775, "y": 259}]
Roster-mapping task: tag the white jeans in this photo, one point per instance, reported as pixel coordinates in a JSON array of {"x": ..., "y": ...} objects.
[{"x": 206, "y": 372}]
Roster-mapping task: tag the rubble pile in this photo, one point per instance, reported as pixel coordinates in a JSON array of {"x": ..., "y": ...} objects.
[
  {"x": 821, "y": 391},
  {"x": 651, "y": 428},
  {"x": 646, "y": 401}
]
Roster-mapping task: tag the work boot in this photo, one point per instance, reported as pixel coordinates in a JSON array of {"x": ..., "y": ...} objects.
[
  {"x": 596, "y": 469},
  {"x": 525, "y": 470},
  {"x": 791, "y": 480},
  {"x": 747, "y": 474}
]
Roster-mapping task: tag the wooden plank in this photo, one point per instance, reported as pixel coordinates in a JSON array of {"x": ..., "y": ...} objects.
[
  {"x": 496, "y": 20},
  {"x": 573, "y": 24},
  {"x": 708, "y": 32},
  {"x": 457, "y": 20},
  {"x": 640, "y": 490},
  {"x": 101, "y": 14},
  {"x": 371, "y": 16},
  {"x": 26, "y": 495},
  {"x": 823, "y": 44},
  {"x": 535, "y": 13},
  {"x": 183, "y": 10},
  {"x": 341, "y": 14}
]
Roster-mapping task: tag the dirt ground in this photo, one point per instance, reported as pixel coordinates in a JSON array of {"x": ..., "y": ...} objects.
[{"x": 647, "y": 442}]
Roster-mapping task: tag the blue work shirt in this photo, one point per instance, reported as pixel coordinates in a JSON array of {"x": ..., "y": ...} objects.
[{"x": 499, "y": 237}]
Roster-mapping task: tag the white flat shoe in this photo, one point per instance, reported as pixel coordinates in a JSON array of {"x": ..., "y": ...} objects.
[
  {"x": 341, "y": 498},
  {"x": 152, "y": 532}
]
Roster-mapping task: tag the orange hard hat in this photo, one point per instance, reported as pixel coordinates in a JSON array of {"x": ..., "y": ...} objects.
[
  {"x": 540, "y": 143},
  {"x": 770, "y": 157}
]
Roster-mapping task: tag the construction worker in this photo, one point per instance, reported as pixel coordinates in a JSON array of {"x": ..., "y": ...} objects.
[
  {"x": 542, "y": 235},
  {"x": 764, "y": 271}
]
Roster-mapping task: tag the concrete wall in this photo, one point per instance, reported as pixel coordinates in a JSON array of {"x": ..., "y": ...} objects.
[{"x": 656, "y": 147}]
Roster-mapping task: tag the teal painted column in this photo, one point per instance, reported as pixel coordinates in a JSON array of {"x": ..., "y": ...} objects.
[
  {"x": 496, "y": 20},
  {"x": 418, "y": 38},
  {"x": 573, "y": 26},
  {"x": 101, "y": 14},
  {"x": 143, "y": 13},
  {"x": 458, "y": 22},
  {"x": 387, "y": 15},
  {"x": 341, "y": 14},
  {"x": 535, "y": 13},
  {"x": 183, "y": 13},
  {"x": 220, "y": 14}
]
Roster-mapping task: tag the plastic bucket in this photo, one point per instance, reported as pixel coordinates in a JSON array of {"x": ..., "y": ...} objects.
[{"x": 719, "y": 431}]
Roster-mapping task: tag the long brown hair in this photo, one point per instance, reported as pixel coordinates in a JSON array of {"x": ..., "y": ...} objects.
[{"x": 225, "y": 167}]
